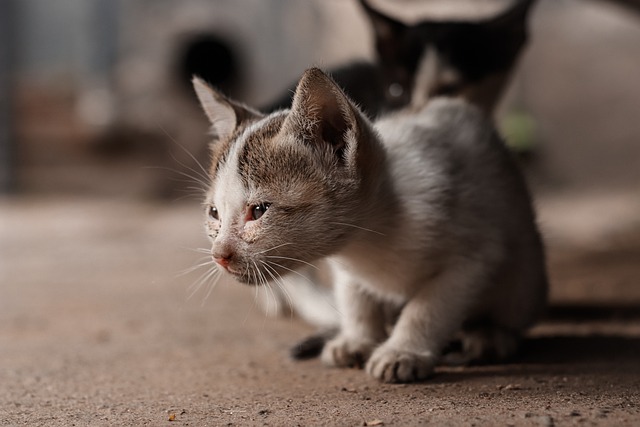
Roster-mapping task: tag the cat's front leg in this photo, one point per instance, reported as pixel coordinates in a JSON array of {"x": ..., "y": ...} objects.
[
  {"x": 426, "y": 324},
  {"x": 362, "y": 327}
]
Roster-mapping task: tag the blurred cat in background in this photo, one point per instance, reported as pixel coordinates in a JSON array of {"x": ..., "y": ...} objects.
[{"x": 414, "y": 62}]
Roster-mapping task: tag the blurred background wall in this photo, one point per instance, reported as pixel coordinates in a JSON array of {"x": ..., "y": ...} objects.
[
  {"x": 104, "y": 86},
  {"x": 93, "y": 91}
]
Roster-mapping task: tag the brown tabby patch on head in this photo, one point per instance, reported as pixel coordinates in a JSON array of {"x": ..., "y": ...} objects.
[
  {"x": 255, "y": 162},
  {"x": 220, "y": 149},
  {"x": 271, "y": 158}
]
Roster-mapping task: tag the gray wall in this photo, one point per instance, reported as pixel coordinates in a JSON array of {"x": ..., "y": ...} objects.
[{"x": 65, "y": 38}]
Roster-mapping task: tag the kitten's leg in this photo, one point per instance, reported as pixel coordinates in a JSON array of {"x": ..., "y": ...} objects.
[
  {"x": 485, "y": 344},
  {"x": 518, "y": 299},
  {"x": 362, "y": 328},
  {"x": 427, "y": 322}
]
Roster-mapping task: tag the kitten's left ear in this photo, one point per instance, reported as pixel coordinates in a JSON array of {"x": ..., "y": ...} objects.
[
  {"x": 321, "y": 113},
  {"x": 224, "y": 114}
]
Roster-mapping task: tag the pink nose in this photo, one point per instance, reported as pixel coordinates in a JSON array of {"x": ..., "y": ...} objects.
[{"x": 223, "y": 259}]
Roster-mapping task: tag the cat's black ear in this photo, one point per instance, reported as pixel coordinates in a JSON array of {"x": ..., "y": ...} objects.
[
  {"x": 321, "y": 113},
  {"x": 385, "y": 28},
  {"x": 512, "y": 19},
  {"x": 224, "y": 114}
]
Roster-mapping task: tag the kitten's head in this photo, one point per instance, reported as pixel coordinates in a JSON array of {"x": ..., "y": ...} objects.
[
  {"x": 457, "y": 58},
  {"x": 288, "y": 187}
]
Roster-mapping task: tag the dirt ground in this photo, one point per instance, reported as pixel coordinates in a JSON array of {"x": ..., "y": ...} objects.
[{"x": 97, "y": 327}]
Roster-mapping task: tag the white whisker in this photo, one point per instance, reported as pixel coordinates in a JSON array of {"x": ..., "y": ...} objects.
[
  {"x": 212, "y": 273},
  {"x": 187, "y": 197},
  {"x": 204, "y": 178},
  {"x": 275, "y": 247},
  {"x": 198, "y": 282},
  {"x": 268, "y": 286},
  {"x": 358, "y": 227},
  {"x": 189, "y": 270},
  {"x": 261, "y": 283},
  {"x": 292, "y": 271},
  {"x": 204, "y": 173},
  {"x": 292, "y": 259},
  {"x": 212, "y": 285},
  {"x": 198, "y": 250},
  {"x": 192, "y": 178},
  {"x": 280, "y": 282}
]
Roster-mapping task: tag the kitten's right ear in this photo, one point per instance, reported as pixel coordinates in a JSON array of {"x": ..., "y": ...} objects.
[
  {"x": 224, "y": 114},
  {"x": 321, "y": 113}
]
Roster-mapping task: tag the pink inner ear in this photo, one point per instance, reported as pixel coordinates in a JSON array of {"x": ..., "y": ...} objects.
[
  {"x": 223, "y": 120},
  {"x": 320, "y": 101},
  {"x": 217, "y": 109}
]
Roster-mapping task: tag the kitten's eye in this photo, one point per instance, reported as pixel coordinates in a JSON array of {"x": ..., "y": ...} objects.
[
  {"x": 213, "y": 213},
  {"x": 258, "y": 210}
]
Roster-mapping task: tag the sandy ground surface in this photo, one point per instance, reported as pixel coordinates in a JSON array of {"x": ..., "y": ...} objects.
[{"x": 98, "y": 328}]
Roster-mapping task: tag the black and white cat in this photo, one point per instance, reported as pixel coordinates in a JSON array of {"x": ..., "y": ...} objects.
[
  {"x": 464, "y": 58},
  {"x": 422, "y": 216}
]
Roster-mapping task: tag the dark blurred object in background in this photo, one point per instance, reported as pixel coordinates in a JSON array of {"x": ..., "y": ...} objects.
[
  {"x": 362, "y": 81},
  {"x": 7, "y": 142},
  {"x": 211, "y": 58}
]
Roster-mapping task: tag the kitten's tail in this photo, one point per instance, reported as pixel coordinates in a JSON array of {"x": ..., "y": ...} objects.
[{"x": 312, "y": 346}]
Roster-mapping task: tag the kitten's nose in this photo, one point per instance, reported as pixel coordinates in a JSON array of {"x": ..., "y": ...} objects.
[{"x": 223, "y": 258}]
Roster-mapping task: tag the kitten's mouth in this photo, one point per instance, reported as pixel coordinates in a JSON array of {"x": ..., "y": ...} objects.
[
  {"x": 245, "y": 279},
  {"x": 237, "y": 274},
  {"x": 250, "y": 277},
  {"x": 240, "y": 275},
  {"x": 232, "y": 271}
]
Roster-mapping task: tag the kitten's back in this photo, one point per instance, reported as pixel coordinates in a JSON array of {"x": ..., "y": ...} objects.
[{"x": 461, "y": 186}]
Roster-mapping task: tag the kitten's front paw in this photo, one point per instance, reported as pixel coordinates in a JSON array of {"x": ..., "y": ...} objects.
[
  {"x": 344, "y": 352},
  {"x": 392, "y": 365}
]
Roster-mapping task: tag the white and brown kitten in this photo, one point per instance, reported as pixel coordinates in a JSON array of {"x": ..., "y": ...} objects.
[{"x": 423, "y": 217}]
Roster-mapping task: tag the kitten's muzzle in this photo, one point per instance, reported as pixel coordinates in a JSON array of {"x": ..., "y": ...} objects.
[
  {"x": 226, "y": 262},
  {"x": 223, "y": 259}
]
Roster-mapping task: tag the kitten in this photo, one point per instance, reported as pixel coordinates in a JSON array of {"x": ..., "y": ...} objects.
[
  {"x": 472, "y": 60},
  {"x": 423, "y": 217}
]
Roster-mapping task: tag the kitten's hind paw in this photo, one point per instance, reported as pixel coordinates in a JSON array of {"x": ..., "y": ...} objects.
[
  {"x": 482, "y": 346},
  {"x": 391, "y": 365},
  {"x": 343, "y": 352}
]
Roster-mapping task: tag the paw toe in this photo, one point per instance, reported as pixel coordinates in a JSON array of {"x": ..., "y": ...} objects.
[
  {"x": 395, "y": 366},
  {"x": 345, "y": 353}
]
